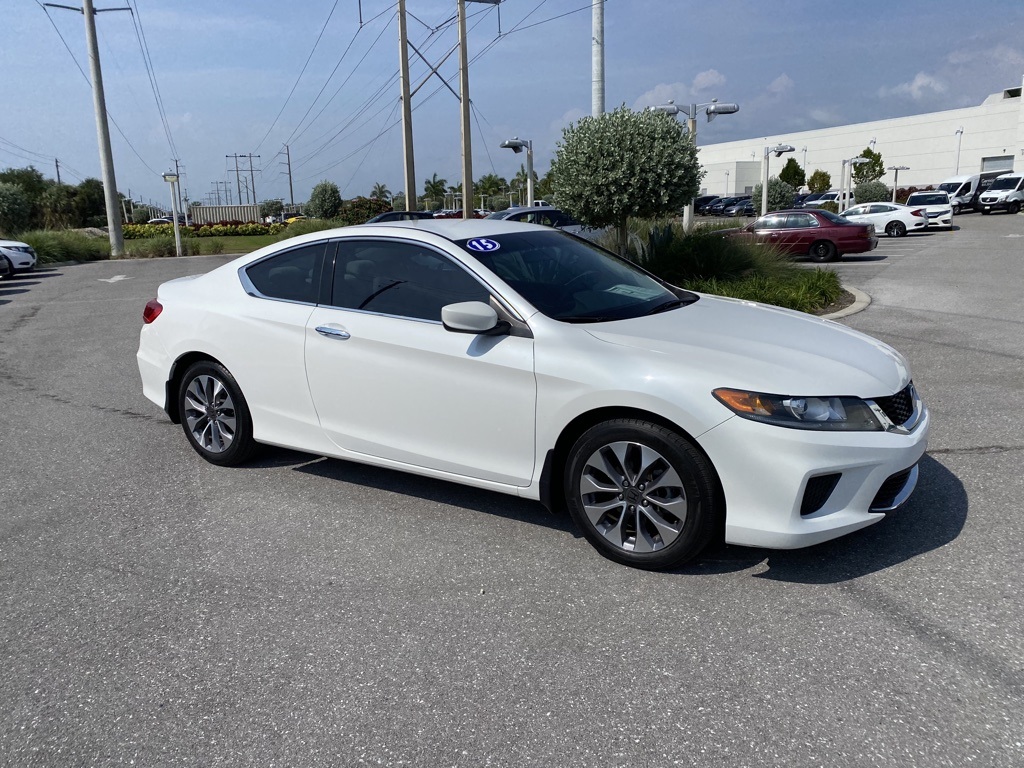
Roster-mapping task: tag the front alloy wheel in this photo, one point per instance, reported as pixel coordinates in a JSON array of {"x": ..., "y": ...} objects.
[
  {"x": 214, "y": 414},
  {"x": 641, "y": 494}
]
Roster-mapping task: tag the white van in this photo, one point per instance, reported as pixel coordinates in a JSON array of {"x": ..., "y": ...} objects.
[
  {"x": 833, "y": 197},
  {"x": 964, "y": 190},
  {"x": 1005, "y": 194}
]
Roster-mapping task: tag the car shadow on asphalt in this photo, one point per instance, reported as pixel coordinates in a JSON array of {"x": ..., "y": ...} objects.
[{"x": 933, "y": 517}]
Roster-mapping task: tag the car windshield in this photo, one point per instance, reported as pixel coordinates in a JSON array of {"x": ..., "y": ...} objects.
[
  {"x": 928, "y": 199},
  {"x": 1010, "y": 182},
  {"x": 833, "y": 217},
  {"x": 570, "y": 279},
  {"x": 951, "y": 188}
]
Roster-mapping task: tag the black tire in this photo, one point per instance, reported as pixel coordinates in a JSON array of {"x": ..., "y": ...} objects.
[
  {"x": 896, "y": 229},
  {"x": 985, "y": 212},
  {"x": 1013, "y": 207},
  {"x": 823, "y": 250},
  {"x": 214, "y": 414},
  {"x": 956, "y": 209},
  {"x": 669, "y": 509}
]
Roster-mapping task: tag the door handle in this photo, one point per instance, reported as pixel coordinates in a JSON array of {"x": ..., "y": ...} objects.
[{"x": 333, "y": 333}]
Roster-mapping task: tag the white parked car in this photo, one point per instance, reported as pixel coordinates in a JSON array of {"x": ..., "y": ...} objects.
[
  {"x": 20, "y": 256},
  {"x": 936, "y": 205},
  {"x": 892, "y": 218},
  {"x": 519, "y": 359},
  {"x": 549, "y": 217}
]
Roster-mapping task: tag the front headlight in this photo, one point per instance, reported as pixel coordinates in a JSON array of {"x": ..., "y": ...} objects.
[{"x": 820, "y": 413}]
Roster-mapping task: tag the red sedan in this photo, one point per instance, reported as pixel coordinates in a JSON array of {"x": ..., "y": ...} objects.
[{"x": 821, "y": 235}]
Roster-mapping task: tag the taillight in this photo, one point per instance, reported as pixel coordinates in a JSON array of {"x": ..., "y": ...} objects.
[
  {"x": 917, "y": 212},
  {"x": 152, "y": 311}
]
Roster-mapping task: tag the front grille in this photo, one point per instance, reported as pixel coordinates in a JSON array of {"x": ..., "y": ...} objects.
[
  {"x": 899, "y": 407},
  {"x": 890, "y": 490},
  {"x": 818, "y": 490}
]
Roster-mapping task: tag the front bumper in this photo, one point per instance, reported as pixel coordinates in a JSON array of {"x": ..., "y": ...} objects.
[
  {"x": 769, "y": 473},
  {"x": 20, "y": 261},
  {"x": 1001, "y": 204}
]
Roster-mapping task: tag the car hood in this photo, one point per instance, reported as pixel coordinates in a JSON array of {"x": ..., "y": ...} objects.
[
  {"x": 762, "y": 348},
  {"x": 13, "y": 244}
]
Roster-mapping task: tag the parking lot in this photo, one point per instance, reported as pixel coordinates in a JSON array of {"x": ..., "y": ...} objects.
[{"x": 158, "y": 610}]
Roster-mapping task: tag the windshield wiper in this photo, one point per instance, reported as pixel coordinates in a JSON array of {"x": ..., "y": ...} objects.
[
  {"x": 586, "y": 319},
  {"x": 667, "y": 305}
]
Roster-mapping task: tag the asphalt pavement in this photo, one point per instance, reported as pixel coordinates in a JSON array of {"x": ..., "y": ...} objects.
[{"x": 156, "y": 610}]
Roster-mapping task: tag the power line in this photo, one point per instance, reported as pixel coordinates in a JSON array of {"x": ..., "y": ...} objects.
[
  {"x": 147, "y": 60},
  {"x": 89, "y": 82},
  {"x": 301, "y": 73}
]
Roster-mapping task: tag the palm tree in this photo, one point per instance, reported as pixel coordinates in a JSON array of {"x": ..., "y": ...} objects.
[
  {"x": 433, "y": 188},
  {"x": 489, "y": 185},
  {"x": 380, "y": 192}
]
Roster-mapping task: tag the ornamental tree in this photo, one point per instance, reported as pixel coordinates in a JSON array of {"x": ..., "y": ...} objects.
[
  {"x": 820, "y": 181},
  {"x": 872, "y": 192},
  {"x": 792, "y": 174},
  {"x": 872, "y": 170},
  {"x": 624, "y": 164},
  {"x": 780, "y": 196},
  {"x": 324, "y": 201}
]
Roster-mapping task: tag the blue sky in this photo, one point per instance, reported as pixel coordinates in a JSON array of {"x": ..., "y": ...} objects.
[{"x": 225, "y": 68}]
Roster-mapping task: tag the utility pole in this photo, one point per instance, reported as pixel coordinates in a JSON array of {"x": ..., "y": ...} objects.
[
  {"x": 177, "y": 172},
  {"x": 288, "y": 161},
  {"x": 57, "y": 163},
  {"x": 252, "y": 178},
  {"x": 238, "y": 183},
  {"x": 102, "y": 129},
  {"x": 410, "y": 164},
  {"x": 467, "y": 150},
  {"x": 597, "y": 59}
]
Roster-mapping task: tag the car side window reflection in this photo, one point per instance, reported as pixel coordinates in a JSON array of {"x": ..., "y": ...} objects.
[
  {"x": 291, "y": 276},
  {"x": 400, "y": 278}
]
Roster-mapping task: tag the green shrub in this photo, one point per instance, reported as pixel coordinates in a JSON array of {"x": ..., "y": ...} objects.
[
  {"x": 53, "y": 245},
  {"x": 780, "y": 195},
  {"x": 829, "y": 206},
  {"x": 872, "y": 192},
  {"x": 305, "y": 226},
  {"x": 215, "y": 246},
  {"x": 159, "y": 247},
  {"x": 706, "y": 261}
]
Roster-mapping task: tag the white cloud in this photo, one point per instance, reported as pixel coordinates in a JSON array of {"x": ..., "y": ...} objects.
[
  {"x": 825, "y": 116},
  {"x": 710, "y": 78},
  {"x": 921, "y": 86},
  {"x": 662, "y": 93},
  {"x": 780, "y": 84}
]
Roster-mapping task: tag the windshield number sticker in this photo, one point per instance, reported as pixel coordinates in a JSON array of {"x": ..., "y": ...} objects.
[
  {"x": 633, "y": 291},
  {"x": 483, "y": 244}
]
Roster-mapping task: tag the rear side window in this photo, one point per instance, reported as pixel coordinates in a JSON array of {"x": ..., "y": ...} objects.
[{"x": 291, "y": 276}]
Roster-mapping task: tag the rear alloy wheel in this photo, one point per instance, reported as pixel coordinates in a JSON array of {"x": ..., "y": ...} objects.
[
  {"x": 641, "y": 494},
  {"x": 214, "y": 415},
  {"x": 895, "y": 229},
  {"x": 823, "y": 250}
]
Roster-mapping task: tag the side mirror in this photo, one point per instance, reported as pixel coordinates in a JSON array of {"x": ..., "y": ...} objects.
[{"x": 472, "y": 317}]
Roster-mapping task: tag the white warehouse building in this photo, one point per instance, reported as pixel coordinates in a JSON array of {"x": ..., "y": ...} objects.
[{"x": 932, "y": 146}]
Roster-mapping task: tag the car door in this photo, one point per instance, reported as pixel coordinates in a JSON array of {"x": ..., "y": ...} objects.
[
  {"x": 389, "y": 381},
  {"x": 768, "y": 230}
]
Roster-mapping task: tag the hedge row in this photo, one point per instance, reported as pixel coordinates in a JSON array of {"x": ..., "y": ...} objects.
[{"x": 223, "y": 229}]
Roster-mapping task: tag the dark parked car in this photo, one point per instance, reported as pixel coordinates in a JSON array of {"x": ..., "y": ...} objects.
[
  {"x": 703, "y": 208},
  {"x": 549, "y": 217},
  {"x": 400, "y": 216},
  {"x": 742, "y": 208},
  {"x": 718, "y": 207},
  {"x": 700, "y": 202},
  {"x": 807, "y": 200},
  {"x": 819, "y": 234}
]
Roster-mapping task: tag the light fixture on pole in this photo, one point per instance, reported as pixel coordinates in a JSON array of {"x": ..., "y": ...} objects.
[
  {"x": 712, "y": 109},
  {"x": 804, "y": 150},
  {"x": 871, "y": 143},
  {"x": 517, "y": 145},
  {"x": 172, "y": 179},
  {"x": 726, "y": 182},
  {"x": 896, "y": 177},
  {"x": 959, "y": 138},
  {"x": 779, "y": 150}
]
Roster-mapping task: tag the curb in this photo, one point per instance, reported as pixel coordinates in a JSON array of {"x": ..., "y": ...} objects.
[{"x": 861, "y": 301}]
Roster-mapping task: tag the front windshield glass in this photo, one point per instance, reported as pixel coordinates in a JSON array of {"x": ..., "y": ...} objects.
[
  {"x": 928, "y": 199},
  {"x": 1010, "y": 182},
  {"x": 951, "y": 188},
  {"x": 570, "y": 279}
]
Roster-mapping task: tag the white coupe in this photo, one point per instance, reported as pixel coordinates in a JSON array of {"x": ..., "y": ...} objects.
[{"x": 523, "y": 360}]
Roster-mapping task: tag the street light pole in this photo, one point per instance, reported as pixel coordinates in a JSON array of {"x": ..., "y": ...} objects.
[
  {"x": 517, "y": 145},
  {"x": 896, "y": 177},
  {"x": 846, "y": 188},
  {"x": 712, "y": 108},
  {"x": 779, "y": 150},
  {"x": 959, "y": 138}
]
